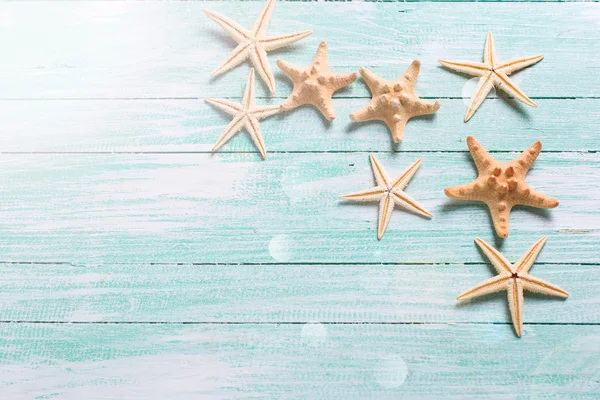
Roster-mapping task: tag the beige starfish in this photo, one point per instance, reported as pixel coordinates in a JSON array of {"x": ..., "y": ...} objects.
[
  {"x": 394, "y": 102},
  {"x": 314, "y": 84},
  {"x": 501, "y": 185},
  {"x": 389, "y": 193},
  {"x": 513, "y": 279},
  {"x": 253, "y": 44},
  {"x": 245, "y": 115},
  {"x": 492, "y": 73}
]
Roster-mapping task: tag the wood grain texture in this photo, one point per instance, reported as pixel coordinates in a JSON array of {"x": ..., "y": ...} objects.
[
  {"x": 168, "y": 49},
  {"x": 299, "y": 361},
  {"x": 193, "y": 125},
  {"x": 228, "y": 208},
  {"x": 282, "y": 293}
]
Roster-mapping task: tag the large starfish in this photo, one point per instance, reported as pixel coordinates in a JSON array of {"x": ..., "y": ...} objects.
[
  {"x": 253, "y": 43},
  {"x": 389, "y": 193},
  {"x": 394, "y": 102},
  {"x": 513, "y": 278},
  {"x": 492, "y": 73},
  {"x": 314, "y": 84},
  {"x": 245, "y": 115},
  {"x": 501, "y": 185}
]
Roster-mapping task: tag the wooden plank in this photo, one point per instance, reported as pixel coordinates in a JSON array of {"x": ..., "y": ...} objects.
[
  {"x": 281, "y": 293},
  {"x": 168, "y": 49},
  {"x": 193, "y": 125},
  {"x": 298, "y": 361},
  {"x": 232, "y": 208}
]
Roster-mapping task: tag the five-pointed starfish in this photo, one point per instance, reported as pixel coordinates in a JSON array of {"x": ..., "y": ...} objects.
[
  {"x": 394, "y": 102},
  {"x": 513, "y": 279},
  {"x": 253, "y": 43},
  {"x": 388, "y": 193},
  {"x": 314, "y": 84},
  {"x": 501, "y": 185},
  {"x": 245, "y": 115},
  {"x": 492, "y": 73}
]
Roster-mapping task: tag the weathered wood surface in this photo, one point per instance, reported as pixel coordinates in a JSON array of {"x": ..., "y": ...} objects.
[
  {"x": 233, "y": 208},
  {"x": 311, "y": 361},
  {"x": 194, "y": 126},
  {"x": 282, "y": 293},
  {"x": 168, "y": 49}
]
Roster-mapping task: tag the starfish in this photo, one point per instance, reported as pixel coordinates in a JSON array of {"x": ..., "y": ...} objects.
[
  {"x": 389, "y": 193},
  {"x": 513, "y": 278},
  {"x": 492, "y": 73},
  {"x": 394, "y": 102},
  {"x": 245, "y": 115},
  {"x": 501, "y": 185},
  {"x": 314, "y": 84},
  {"x": 253, "y": 43}
]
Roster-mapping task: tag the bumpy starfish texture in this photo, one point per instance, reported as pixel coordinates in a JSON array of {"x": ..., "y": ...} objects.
[
  {"x": 394, "y": 102},
  {"x": 501, "y": 185},
  {"x": 514, "y": 278},
  {"x": 245, "y": 115},
  {"x": 314, "y": 84},
  {"x": 253, "y": 44},
  {"x": 492, "y": 73},
  {"x": 389, "y": 193}
]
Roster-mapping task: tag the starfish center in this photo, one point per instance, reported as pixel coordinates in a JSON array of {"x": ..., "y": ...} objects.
[
  {"x": 514, "y": 275},
  {"x": 503, "y": 180}
]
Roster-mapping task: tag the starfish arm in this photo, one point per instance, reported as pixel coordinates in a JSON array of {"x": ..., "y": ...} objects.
[
  {"x": 538, "y": 200},
  {"x": 253, "y": 128},
  {"x": 489, "y": 52},
  {"x": 462, "y": 192},
  {"x": 501, "y": 264},
  {"x": 466, "y": 67},
  {"x": 234, "y": 127},
  {"x": 517, "y": 64},
  {"x": 424, "y": 108},
  {"x": 248, "y": 98},
  {"x": 342, "y": 80},
  {"x": 229, "y": 107},
  {"x": 373, "y": 194},
  {"x": 386, "y": 206},
  {"x": 526, "y": 261},
  {"x": 237, "y": 56},
  {"x": 321, "y": 55},
  {"x": 261, "y": 23},
  {"x": 407, "y": 175},
  {"x": 404, "y": 200},
  {"x": 483, "y": 159},
  {"x": 500, "y": 217},
  {"x": 492, "y": 285},
  {"x": 381, "y": 176},
  {"x": 275, "y": 42},
  {"x": 290, "y": 70},
  {"x": 397, "y": 127},
  {"x": 372, "y": 80},
  {"x": 528, "y": 157},
  {"x": 262, "y": 112},
  {"x": 231, "y": 27},
  {"x": 515, "y": 304},
  {"x": 412, "y": 73},
  {"x": 324, "y": 105},
  {"x": 258, "y": 56},
  {"x": 367, "y": 113},
  {"x": 485, "y": 84},
  {"x": 507, "y": 85},
  {"x": 537, "y": 285}
]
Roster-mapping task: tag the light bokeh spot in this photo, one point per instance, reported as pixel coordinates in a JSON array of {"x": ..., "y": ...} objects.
[
  {"x": 314, "y": 333},
  {"x": 391, "y": 373},
  {"x": 280, "y": 248}
]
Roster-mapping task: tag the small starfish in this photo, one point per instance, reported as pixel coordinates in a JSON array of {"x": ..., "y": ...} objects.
[
  {"x": 501, "y": 185},
  {"x": 394, "y": 102},
  {"x": 245, "y": 115},
  {"x": 513, "y": 278},
  {"x": 492, "y": 73},
  {"x": 314, "y": 84},
  {"x": 253, "y": 44},
  {"x": 389, "y": 193}
]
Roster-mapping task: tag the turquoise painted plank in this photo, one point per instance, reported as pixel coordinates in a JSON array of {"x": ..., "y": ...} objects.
[
  {"x": 282, "y": 293},
  {"x": 306, "y": 361},
  {"x": 168, "y": 49},
  {"x": 193, "y": 125},
  {"x": 230, "y": 208}
]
